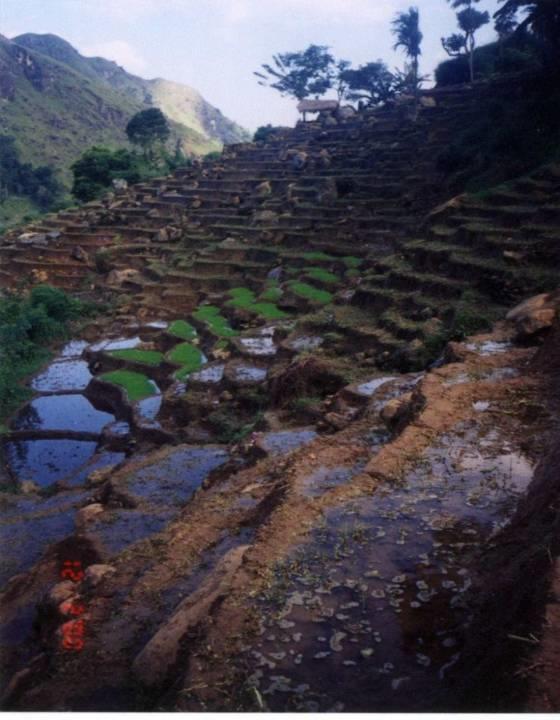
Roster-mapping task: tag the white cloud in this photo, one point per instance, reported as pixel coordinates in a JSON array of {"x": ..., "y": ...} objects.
[{"x": 120, "y": 51}]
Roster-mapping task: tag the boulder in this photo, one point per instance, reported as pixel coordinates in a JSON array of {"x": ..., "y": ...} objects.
[
  {"x": 120, "y": 185},
  {"x": 61, "y": 592},
  {"x": 396, "y": 409},
  {"x": 78, "y": 253},
  {"x": 535, "y": 314},
  {"x": 427, "y": 101},
  {"x": 118, "y": 277},
  {"x": 95, "y": 573},
  {"x": 87, "y": 513}
]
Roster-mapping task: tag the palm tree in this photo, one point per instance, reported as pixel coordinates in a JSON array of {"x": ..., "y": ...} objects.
[
  {"x": 469, "y": 20},
  {"x": 406, "y": 28}
]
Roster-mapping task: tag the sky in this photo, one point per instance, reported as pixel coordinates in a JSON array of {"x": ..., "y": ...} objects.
[{"x": 215, "y": 45}]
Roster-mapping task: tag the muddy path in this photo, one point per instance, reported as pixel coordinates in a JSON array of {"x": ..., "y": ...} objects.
[{"x": 301, "y": 569}]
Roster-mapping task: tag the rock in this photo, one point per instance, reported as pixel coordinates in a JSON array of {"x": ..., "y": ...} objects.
[
  {"x": 61, "y": 592},
  {"x": 120, "y": 185},
  {"x": 265, "y": 216},
  {"x": 264, "y": 189},
  {"x": 153, "y": 663},
  {"x": 78, "y": 253},
  {"x": 428, "y": 102},
  {"x": 87, "y": 513},
  {"x": 431, "y": 327},
  {"x": 395, "y": 409},
  {"x": 28, "y": 487},
  {"x": 31, "y": 238},
  {"x": 95, "y": 573},
  {"x": 316, "y": 105},
  {"x": 162, "y": 236},
  {"x": 39, "y": 276},
  {"x": 97, "y": 477},
  {"x": 535, "y": 314},
  {"x": 118, "y": 277}
]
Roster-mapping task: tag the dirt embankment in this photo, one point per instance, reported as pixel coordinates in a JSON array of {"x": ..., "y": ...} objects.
[{"x": 513, "y": 657}]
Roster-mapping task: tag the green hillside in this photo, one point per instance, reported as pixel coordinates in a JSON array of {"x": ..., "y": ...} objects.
[{"x": 57, "y": 103}]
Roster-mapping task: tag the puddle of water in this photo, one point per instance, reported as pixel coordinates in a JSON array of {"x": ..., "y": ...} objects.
[
  {"x": 258, "y": 346},
  {"x": 117, "y": 529},
  {"x": 370, "y": 613},
  {"x": 36, "y": 524},
  {"x": 489, "y": 347},
  {"x": 367, "y": 389},
  {"x": 275, "y": 443},
  {"x": 119, "y": 344},
  {"x": 100, "y": 460},
  {"x": 63, "y": 375},
  {"x": 46, "y": 461},
  {"x": 73, "y": 349},
  {"x": 173, "y": 479},
  {"x": 248, "y": 374},
  {"x": 305, "y": 343},
  {"x": 325, "y": 479},
  {"x": 149, "y": 408},
  {"x": 210, "y": 375},
  {"x": 61, "y": 412}
]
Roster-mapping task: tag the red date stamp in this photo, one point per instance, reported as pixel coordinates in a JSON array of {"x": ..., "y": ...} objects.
[{"x": 73, "y": 631}]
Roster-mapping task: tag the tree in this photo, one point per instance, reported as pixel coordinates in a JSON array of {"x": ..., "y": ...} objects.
[
  {"x": 372, "y": 83},
  {"x": 469, "y": 20},
  {"x": 98, "y": 167},
  {"x": 542, "y": 18},
  {"x": 300, "y": 74},
  {"x": 341, "y": 84},
  {"x": 147, "y": 128},
  {"x": 17, "y": 178},
  {"x": 406, "y": 29}
]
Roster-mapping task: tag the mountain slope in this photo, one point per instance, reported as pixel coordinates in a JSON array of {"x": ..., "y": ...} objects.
[{"x": 57, "y": 103}]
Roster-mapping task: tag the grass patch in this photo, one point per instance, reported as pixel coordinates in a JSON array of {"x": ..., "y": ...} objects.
[
  {"x": 144, "y": 357},
  {"x": 137, "y": 386},
  {"x": 313, "y": 294},
  {"x": 267, "y": 310},
  {"x": 271, "y": 294},
  {"x": 352, "y": 262},
  {"x": 215, "y": 322},
  {"x": 241, "y": 297},
  {"x": 182, "y": 329},
  {"x": 188, "y": 356},
  {"x": 318, "y": 256},
  {"x": 323, "y": 276}
]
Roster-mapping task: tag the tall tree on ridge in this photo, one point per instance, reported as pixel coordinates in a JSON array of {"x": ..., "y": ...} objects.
[
  {"x": 469, "y": 20},
  {"x": 406, "y": 29}
]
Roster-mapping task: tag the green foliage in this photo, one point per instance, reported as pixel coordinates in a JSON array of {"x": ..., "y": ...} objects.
[
  {"x": 406, "y": 29},
  {"x": 98, "y": 167},
  {"x": 543, "y": 19},
  {"x": 27, "y": 326},
  {"x": 318, "y": 256},
  {"x": 182, "y": 329},
  {"x": 137, "y": 386},
  {"x": 188, "y": 356},
  {"x": 144, "y": 357},
  {"x": 308, "y": 292},
  {"x": 271, "y": 294},
  {"x": 18, "y": 178},
  {"x": 245, "y": 298},
  {"x": 372, "y": 83},
  {"x": 268, "y": 310},
  {"x": 515, "y": 54},
  {"x": 147, "y": 128},
  {"x": 323, "y": 276},
  {"x": 300, "y": 74},
  {"x": 469, "y": 20},
  {"x": 264, "y": 132},
  {"x": 352, "y": 262},
  {"x": 214, "y": 155},
  {"x": 514, "y": 135},
  {"x": 216, "y": 323}
]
